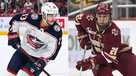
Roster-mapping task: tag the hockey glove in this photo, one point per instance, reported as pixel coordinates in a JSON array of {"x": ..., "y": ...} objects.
[
  {"x": 85, "y": 64},
  {"x": 13, "y": 40}
]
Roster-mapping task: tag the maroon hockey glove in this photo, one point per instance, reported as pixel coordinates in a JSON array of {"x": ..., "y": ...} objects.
[{"x": 85, "y": 64}]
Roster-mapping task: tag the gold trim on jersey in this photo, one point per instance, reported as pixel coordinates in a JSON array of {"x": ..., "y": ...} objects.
[
  {"x": 82, "y": 36},
  {"x": 77, "y": 23}
]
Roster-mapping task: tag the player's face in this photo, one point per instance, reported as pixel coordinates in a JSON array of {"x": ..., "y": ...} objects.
[
  {"x": 103, "y": 19},
  {"x": 51, "y": 18}
]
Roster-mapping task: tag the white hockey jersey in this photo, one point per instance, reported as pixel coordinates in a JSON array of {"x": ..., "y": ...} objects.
[{"x": 36, "y": 41}]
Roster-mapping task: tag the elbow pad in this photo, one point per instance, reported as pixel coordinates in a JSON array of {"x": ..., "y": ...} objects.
[{"x": 13, "y": 40}]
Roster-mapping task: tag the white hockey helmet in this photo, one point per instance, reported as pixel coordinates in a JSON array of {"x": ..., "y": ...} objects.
[{"x": 49, "y": 8}]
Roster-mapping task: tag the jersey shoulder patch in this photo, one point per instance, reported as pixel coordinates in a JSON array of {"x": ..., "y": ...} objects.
[
  {"x": 115, "y": 29},
  {"x": 34, "y": 16},
  {"x": 56, "y": 27},
  {"x": 115, "y": 32}
]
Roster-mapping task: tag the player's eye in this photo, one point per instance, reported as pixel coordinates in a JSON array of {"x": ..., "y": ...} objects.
[{"x": 51, "y": 15}]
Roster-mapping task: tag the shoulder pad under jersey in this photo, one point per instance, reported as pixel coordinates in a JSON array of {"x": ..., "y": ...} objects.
[
  {"x": 84, "y": 19},
  {"x": 31, "y": 18}
]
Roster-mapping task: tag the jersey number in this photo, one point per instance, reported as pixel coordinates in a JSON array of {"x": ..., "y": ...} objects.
[
  {"x": 23, "y": 17},
  {"x": 113, "y": 51}
]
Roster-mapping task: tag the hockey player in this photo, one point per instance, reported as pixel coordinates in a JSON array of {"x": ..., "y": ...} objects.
[
  {"x": 36, "y": 38},
  {"x": 104, "y": 37}
]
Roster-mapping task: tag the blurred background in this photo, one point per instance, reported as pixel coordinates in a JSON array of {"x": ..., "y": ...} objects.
[
  {"x": 122, "y": 9},
  {"x": 12, "y": 7}
]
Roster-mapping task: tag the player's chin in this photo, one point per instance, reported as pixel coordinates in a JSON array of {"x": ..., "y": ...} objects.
[
  {"x": 51, "y": 22},
  {"x": 102, "y": 24}
]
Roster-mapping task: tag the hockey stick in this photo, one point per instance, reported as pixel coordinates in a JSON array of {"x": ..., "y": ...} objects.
[
  {"x": 33, "y": 60},
  {"x": 80, "y": 71}
]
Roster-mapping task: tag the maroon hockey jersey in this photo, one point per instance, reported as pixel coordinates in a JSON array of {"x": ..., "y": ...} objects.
[{"x": 106, "y": 43}]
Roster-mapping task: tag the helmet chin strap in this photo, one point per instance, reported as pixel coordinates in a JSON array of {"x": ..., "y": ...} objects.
[{"x": 44, "y": 22}]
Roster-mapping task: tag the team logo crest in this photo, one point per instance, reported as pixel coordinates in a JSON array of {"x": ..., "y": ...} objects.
[
  {"x": 34, "y": 16},
  {"x": 34, "y": 42}
]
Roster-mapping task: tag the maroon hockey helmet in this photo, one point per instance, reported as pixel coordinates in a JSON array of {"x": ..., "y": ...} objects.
[{"x": 103, "y": 8}]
